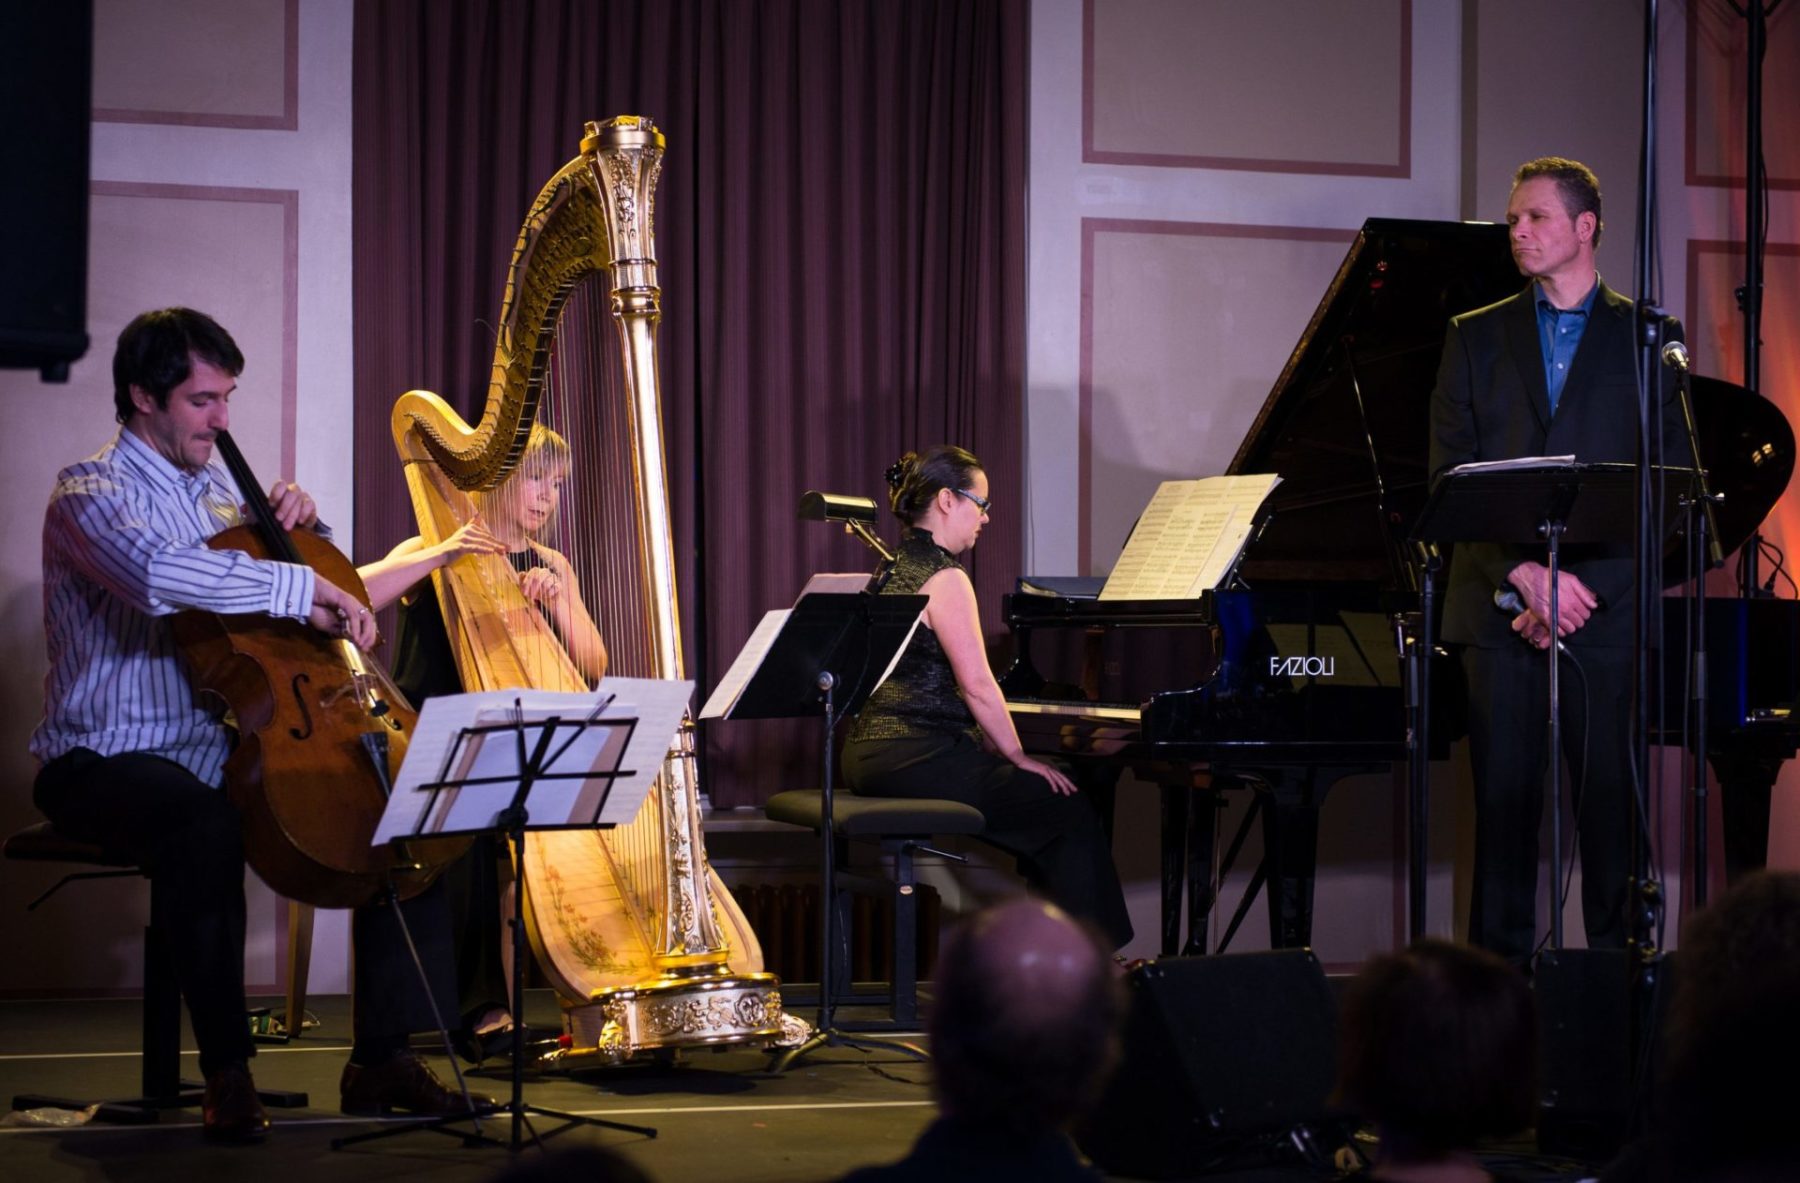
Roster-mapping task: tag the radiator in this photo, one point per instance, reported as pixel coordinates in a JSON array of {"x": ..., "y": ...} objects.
[{"x": 786, "y": 920}]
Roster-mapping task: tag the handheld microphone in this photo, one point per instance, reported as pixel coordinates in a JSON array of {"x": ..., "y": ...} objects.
[
  {"x": 1675, "y": 355},
  {"x": 1508, "y": 601}
]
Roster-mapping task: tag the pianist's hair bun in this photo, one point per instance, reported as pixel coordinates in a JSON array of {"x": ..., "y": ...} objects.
[
  {"x": 915, "y": 478},
  {"x": 896, "y": 473}
]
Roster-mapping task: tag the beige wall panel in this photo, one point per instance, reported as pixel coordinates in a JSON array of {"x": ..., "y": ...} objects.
[
  {"x": 229, "y": 252},
  {"x": 1535, "y": 86},
  {"x": 1714, "y": 114},
  {"x": 1316, "y": 86},
  {"x": 161, "y": 62},
  {"x": 1716, "y": 331},
  {"x": 1185, "y": 327}
]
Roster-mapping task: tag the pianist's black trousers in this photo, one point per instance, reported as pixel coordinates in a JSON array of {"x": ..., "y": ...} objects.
[
  {"x": 189, "y": 837},
  {"x": 1063, "y": 850},
  {"x": 1509, "y": 708}
]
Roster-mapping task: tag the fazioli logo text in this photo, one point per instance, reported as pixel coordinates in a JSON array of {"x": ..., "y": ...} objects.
[{"x": 1302, "y": 667}]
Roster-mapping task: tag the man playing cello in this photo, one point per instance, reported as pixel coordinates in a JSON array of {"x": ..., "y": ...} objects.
[{"x": 129, "y": 759}]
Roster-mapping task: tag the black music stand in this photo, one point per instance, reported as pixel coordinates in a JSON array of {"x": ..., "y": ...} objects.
[
  {"x": 538, "y": 743},
  {"x": 1519, "y": 502},
  {"x": 831, "y": 652}
]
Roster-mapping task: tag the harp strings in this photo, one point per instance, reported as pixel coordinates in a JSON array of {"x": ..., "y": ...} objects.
[{"x": 597, "y": 529}]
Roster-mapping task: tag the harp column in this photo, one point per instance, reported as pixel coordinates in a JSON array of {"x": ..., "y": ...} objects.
[{"x": 626, "y": 158}]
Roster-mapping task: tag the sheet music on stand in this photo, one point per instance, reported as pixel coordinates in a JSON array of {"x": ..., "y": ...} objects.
[
  {"x": 464, "y": 762},
  {"x": 1188, "y": 537},
  {"x": 750, "y": 658},
  {"x": 1516, "y": 464}
]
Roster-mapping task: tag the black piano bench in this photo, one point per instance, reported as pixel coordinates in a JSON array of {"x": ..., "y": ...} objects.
[
  {"x": 161, "y": 1082},
  {"x": 900, "y": 826}
]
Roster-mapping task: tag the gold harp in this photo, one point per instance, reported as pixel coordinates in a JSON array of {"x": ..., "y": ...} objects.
[{"x": 640, "y": 938}]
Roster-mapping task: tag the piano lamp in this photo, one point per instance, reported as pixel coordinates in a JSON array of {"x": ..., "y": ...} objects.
[{"x": 855, "y": 512}]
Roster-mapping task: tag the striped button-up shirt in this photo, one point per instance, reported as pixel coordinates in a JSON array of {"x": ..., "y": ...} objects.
[{"x": 124, "y": 547}]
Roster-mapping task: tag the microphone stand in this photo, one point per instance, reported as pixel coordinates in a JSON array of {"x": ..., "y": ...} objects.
[
  {"x": 1644, "y": 898},
  {"x": 1750, "y": 301},
  {"x": 1704, "y": 555}
]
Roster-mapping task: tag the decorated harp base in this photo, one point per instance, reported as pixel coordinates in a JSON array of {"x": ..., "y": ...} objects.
[{"x": 676, "y": 1012}]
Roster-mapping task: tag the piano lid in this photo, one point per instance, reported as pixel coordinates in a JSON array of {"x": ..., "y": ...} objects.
[{"x": 1347, "y": 423}]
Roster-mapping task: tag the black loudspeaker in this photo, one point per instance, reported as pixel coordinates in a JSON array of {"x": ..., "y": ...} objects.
[
  {"x": 46, "y": 68},
  {"x": 1222, "y": 1054},
  {"x": 1585, "y": 998}
]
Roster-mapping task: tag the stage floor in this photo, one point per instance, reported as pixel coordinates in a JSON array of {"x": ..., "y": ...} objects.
[{"x": 719, "y": 1115}]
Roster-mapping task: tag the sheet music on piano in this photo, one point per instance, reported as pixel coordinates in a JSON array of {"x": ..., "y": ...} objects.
[{"x": 1188, "y": 537}]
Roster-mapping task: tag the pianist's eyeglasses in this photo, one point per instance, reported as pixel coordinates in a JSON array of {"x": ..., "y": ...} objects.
[{"x": 981, "y": 503}]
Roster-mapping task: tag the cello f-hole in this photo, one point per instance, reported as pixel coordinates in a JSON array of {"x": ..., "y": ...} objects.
[{"x": 300, "y": 701}]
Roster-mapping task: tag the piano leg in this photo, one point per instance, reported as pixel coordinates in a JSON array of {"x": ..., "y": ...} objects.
[
  {"x": 1746, "y": 780},
  {"x": 1290, "y": 852},
  {"x": 1202, "y": 887},
  {"x": 1176, "y": 840},
  {"x": 1291, "y": 797},
  {"x": 1190, "y": 821}
]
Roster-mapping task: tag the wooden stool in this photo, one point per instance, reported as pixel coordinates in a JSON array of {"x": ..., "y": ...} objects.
[{"x": 901, "y": 827}]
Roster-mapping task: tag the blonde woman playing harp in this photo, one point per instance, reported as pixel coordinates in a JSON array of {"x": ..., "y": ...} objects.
[
  {"x": 511, "y": 520},
  {"x": 645, "y": 947}
]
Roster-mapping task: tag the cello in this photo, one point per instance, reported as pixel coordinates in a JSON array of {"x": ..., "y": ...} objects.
[{"x": 320, "y": 730}]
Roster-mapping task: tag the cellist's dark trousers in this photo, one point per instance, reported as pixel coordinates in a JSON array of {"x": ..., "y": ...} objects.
[{"x": 189, "y": 836}]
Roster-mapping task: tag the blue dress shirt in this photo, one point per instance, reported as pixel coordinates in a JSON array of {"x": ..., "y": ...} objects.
[{"x": 1559, "y": 332}]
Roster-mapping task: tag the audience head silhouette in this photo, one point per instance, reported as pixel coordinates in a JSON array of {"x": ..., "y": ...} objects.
[
  {"x": 1437, "y": 1045},
  {"x": 1727, "y": 1092},
  {"x": 1024, "y": 1029}
]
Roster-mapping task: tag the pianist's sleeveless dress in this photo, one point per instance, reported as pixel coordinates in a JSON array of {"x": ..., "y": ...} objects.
[{"x": 916, "y": 738}]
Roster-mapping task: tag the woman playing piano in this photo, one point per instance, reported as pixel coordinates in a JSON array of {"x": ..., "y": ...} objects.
[{"x": 938, "y": 727}]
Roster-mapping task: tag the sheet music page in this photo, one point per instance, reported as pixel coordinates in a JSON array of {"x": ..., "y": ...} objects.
[
  {"x": 1188, "y": 537},
  {"x": 494, "y": 757},
  {"x": 748, "y": 661},
  {"x": 1516, "y": 464},
  {"x": 834, "y": 583},
  {"x": 899, "y": 653},
  {"x": 645, "y": 716}
]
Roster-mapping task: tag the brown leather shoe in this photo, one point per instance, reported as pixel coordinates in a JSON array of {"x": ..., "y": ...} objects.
[
  {"x": 405, "y": 1083},
  {"x": 231, "y": 1111}
]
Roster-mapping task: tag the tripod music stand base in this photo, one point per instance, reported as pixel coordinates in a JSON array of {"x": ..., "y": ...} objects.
[
  {"x": 832, "y": 1037},
  {"x": 441, "y": 1125}
]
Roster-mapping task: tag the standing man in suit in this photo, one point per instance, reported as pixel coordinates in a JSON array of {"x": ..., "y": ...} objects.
[{"x": 1551, "y": 371}]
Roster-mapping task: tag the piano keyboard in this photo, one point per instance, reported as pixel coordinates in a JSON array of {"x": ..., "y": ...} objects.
[{"x": 1091, "y": 712}]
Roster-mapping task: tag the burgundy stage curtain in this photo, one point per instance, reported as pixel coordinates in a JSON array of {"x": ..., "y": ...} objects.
[{"x": 840, "y": 236}]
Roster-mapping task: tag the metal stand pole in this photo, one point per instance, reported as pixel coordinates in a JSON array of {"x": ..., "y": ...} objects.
[
  {"x": 1418, "y": 814},
  {"x": 1552, "y": 531},
  {"x": 827, "y": 1034}
]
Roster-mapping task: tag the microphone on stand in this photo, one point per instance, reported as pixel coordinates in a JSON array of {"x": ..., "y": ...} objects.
[{"x": 1675, "y": 356}]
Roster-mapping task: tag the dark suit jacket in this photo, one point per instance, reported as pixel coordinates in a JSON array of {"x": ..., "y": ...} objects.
[{"x": 1491, "y": 403}]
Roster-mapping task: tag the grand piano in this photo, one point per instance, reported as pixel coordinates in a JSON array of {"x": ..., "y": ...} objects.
[
  {"x": 1751, "y": 651},
  {"x": 1290, "y": 676}
]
